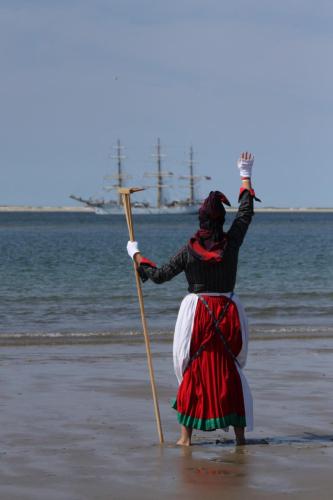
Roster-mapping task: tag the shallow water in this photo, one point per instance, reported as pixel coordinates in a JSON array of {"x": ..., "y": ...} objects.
[
  {"x": 69, "y": 274},
  {"x": 78, "y": 422}
]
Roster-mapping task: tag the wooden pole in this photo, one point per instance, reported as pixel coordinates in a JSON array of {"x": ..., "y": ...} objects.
[{"x": 126, "y": 193}]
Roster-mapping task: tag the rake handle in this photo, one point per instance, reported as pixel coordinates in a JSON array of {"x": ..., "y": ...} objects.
[{"x": 129, "y": 220}]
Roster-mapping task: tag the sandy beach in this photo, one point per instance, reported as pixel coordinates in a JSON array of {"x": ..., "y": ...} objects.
[{"x": 77, "y": 423}]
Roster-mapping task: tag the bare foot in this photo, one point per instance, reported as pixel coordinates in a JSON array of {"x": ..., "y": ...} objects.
[
  {"x": 185, "y": 436},
  {"x": 239, "y": 435},
  {"x": 183, "y": 442}
]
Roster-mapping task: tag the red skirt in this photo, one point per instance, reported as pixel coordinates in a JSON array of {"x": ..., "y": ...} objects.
[{"x": 210, "y": 395}]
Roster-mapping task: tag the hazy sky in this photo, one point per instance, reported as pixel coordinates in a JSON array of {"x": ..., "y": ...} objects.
[{"x": 225, "y": 76}]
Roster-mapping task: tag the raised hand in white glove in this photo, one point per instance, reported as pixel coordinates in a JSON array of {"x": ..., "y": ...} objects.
[
  {"x": 132, "y": 248},
  {"x": 245, "y": 164}
]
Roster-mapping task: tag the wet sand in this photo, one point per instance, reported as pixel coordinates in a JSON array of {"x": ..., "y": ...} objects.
[{"x": 77, "y": 423}]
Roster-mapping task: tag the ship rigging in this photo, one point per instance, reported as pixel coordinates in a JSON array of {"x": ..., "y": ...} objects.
[{"x": 114, "y": 207}]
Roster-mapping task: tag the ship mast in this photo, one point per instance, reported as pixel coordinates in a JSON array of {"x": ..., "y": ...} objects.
[
  {"x": 191, "y": 177},
  {"x": 119, "y": 177},
  {"x": 159, "y": 174}
]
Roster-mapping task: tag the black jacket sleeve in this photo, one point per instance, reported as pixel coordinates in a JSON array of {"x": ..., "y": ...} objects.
[
  {"x": 243, "y": 218},
  {"x": 158, "y": 275}
]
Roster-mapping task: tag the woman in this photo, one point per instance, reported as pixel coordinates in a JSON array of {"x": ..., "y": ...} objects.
[{"x": 211, "y": 333}]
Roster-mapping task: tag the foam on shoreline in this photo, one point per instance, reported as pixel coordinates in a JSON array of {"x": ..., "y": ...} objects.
[{"x": 258, "y": 332}]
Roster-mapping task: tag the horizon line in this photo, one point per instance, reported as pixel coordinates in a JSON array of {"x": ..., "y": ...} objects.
[{"x": 73, "y": 208}]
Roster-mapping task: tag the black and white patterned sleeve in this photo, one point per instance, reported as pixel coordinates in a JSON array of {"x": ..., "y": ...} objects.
[
  {"x": 159, "y": 275},
  {"x": 243, "y": 218}
]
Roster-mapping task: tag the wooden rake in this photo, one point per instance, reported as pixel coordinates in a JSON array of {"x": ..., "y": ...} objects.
[{"x": 126, "y": 197}]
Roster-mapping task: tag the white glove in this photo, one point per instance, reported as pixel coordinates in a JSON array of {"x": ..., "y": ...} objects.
[
  {"x": 245, "y": 167},
  {"x": 132, "y": 248}
]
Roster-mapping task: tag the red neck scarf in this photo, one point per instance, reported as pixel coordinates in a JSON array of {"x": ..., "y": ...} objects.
[{"x": 206, "y": 249}]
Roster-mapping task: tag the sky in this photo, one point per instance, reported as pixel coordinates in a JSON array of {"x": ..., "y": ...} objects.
[{"x": 78, "y": 75}]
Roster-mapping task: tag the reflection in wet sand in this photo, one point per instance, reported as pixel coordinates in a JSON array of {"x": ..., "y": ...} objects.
[{"x": 203, "y": 474}]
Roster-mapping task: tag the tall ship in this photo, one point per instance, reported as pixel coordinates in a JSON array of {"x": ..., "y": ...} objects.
[{"x": 176, "y": 207}]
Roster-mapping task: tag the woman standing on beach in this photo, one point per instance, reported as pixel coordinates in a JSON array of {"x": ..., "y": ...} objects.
[{"x": 211, "y": 333}]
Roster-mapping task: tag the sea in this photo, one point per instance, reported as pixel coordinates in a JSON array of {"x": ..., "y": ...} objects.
[{"x": 66, "y": 277}]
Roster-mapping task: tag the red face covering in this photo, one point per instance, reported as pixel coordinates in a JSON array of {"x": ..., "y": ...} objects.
[{"x": 209, "y": 242}]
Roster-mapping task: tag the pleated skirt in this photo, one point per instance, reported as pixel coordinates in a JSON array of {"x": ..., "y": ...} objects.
[{"x": 213, "y": 391}]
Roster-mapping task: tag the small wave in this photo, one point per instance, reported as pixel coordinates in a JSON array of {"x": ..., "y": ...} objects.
[
  {"x": 257, "y": 332},
  {"x": 290, "y": 331},
  {"x": 289, "y": 310},
  {"x": 33, "y": 338}
]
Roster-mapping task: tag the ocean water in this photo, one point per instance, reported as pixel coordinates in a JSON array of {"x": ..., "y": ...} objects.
[{"x": 68, "y": 275}]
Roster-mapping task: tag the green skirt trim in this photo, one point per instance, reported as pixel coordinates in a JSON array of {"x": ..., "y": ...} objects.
[{"x": 210, "y": 424}]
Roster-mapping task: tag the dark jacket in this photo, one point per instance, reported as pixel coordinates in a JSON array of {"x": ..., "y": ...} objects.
[{"x": 207, "y": 276}]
